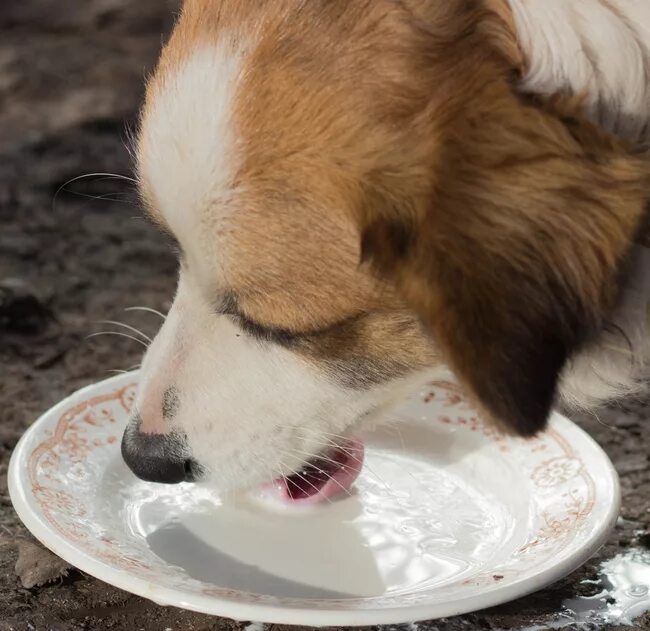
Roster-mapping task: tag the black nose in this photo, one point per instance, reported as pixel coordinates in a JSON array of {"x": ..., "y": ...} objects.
[{"x": 157, "y": 457}]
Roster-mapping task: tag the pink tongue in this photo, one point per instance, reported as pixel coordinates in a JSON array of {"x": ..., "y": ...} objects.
[{"x": 323, "y": 478}]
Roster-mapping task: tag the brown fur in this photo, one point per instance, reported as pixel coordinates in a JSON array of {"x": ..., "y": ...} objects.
[
  {"x": 513, "y": 261},
  {"x": 395, "y": 125}
]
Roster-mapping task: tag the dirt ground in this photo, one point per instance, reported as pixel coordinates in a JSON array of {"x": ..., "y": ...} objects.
[{"x": 71, "y": 76}]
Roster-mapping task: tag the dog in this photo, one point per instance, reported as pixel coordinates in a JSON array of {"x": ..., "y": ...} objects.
[{"x": 361, "y": 190}]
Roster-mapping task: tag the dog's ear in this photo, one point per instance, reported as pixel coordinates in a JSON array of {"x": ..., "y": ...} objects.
[{"x": 512, "y": 261}]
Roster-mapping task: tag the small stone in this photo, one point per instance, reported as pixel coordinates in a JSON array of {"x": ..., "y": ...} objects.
[{"x": 37, "y": 566}]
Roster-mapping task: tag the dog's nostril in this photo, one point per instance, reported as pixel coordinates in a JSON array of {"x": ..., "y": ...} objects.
[{"x": 193, "y": 470}]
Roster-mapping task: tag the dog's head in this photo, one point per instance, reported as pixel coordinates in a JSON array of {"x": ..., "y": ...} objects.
[{"x": 355, "y": 187}]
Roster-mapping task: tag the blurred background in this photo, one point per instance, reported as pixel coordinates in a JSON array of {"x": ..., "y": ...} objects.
[
  {"x": 71, "y": 80},
  {"x": 74, "y": 251}
]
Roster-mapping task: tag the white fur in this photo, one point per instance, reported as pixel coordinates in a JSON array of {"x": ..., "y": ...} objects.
[
  {"x": 186, "y": 150},
  {"x": 600, "y": 48},
  {"x": 251, "y": 410}
]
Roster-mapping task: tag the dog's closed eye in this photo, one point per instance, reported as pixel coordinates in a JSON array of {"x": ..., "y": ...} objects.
[
  {"x": 283, "y": 337},
  {"x": 228, "y": 305}
]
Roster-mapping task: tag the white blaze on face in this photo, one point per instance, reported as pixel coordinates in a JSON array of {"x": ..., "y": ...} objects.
[{"x": 186, "y": 147}]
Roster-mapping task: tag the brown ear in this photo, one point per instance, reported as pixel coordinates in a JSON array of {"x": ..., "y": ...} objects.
[{"x": 512, "y": 261}]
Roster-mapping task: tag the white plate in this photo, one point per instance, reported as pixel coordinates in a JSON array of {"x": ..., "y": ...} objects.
[{"x": 448, "y": 517}]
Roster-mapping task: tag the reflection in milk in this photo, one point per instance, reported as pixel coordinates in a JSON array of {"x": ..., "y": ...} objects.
[
  {"x": 177, "y": 545},
  {"x": 429, "y": 527},
  {"x": 344, "y": 553}
]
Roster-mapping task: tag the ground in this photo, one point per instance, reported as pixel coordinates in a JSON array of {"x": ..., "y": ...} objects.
[{"x": 71, "y": 77}]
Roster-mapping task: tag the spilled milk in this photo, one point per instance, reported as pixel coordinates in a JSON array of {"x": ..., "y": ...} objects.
[{"x": 624, "y": 595}]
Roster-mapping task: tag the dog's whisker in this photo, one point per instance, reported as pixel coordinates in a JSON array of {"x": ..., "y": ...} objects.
[
  {"x": 130, "y": 337},
  {"x": 283, "y": 475},
  {"x": 403, "y": 445},
  {"x": 327, "y": 442},
  {"x": 365, "y": 465},
  {"x": 122, "y": 371},
  {"x": 316, "y": 431},
  {"x": 149, "y": 309},
  {"x": 310, "y": 434},
  {"x": 319, "y": 457},
  {"x": 127, "y": 326},
  {"x": 396, "y": 429},
  {"x": 363, "y": 462},
  {"x": 312, "y": 456},
  {"x": 399, "y": 435},
  {"x": 105, "y": 196},
  {"x": 280, "y": 471},
  {"x": 115, "y": 176},
  {"x": 100, "y": 174},
  {"x": 333, "y": 479},
  {"x": 350, "y": 454},
  {"x": 304, "y": 479}
]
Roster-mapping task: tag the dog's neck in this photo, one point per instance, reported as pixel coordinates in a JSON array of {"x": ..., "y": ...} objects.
[{"x": 599, "y": 49}]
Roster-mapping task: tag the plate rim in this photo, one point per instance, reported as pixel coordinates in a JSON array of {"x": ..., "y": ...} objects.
[{"x": 278, "y": 614}]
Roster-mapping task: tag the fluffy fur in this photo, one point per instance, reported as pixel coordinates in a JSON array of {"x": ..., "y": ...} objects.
[
  {"x": 596, "y": 48},
  {"x": 283, "y": 142}
]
